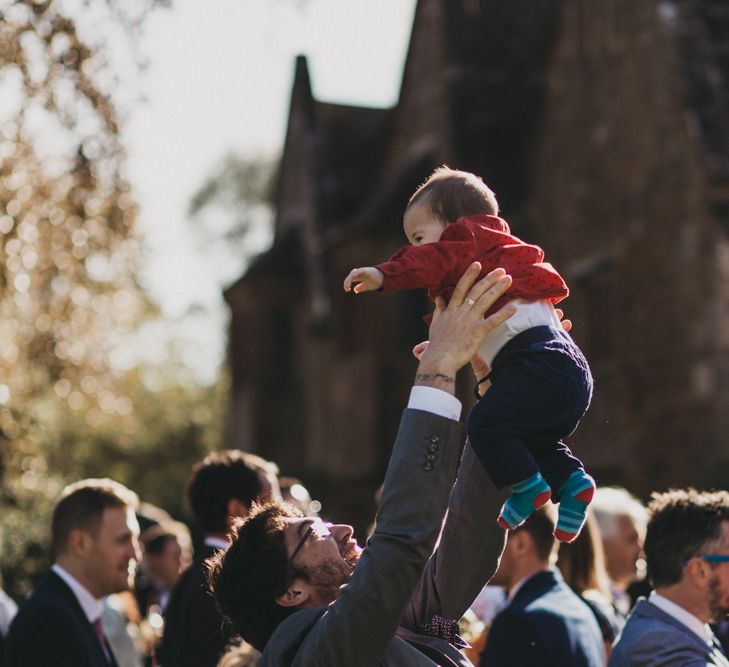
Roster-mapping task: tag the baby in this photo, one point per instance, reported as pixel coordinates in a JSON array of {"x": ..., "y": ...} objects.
[{"x": 540, "y": 382}]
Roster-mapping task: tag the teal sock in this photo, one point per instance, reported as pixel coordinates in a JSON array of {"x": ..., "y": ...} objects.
[
  {"x": 574, "y": 497},
  {"x": 525, "y": 497}
]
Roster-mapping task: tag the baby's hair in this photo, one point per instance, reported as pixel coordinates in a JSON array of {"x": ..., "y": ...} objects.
[{"x": 451, "y": 194}]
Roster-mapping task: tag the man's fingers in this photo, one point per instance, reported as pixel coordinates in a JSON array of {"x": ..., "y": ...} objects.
[
  {"x": 419, "y": 349},
  {"x": 566, "y": 324},
  {"x": 465, "y": 282},
  {"x": 440, "y": 306},
  {"x": 490, "y": 287},
  {"x": 499, "y": 317}
]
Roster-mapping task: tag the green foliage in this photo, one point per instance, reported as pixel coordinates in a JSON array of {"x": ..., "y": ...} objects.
[
  {"x": 233, "y": 208},
  {"x": 69, "y": 296}
]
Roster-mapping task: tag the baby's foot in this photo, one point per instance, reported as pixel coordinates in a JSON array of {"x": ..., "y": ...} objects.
[
  {"x": 525, "y": 497},
  {"x": 574, "y": 497}
]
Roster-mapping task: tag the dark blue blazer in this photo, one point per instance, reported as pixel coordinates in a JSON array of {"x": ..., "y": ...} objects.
[
  {"x": 51, "y": 630},
  {"x": 195, "y": 634},
  {"x": 546, "y": 625}
]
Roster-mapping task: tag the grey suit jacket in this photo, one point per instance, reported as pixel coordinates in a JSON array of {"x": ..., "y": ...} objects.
[
  {"x": 653, "y": 638},
  {"x": 401, "y": 580}
]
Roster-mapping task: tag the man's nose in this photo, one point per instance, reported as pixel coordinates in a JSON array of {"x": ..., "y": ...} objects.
[{"x": 341, "y": 531}]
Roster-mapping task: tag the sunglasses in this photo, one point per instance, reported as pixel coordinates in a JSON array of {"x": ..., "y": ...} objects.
[
  {"x": 711, "y": 558},
  {"x": 299, "y": 546}
]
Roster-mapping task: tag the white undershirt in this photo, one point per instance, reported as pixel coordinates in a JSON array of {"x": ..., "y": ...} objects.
[
  {"x": 683, "y": 616},
  {"x": 528, "y": 314},
  {"x": 92, "y": 607}
]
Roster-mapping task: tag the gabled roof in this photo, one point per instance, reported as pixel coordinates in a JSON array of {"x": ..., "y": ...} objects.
[{"x": 352, "y": 141}]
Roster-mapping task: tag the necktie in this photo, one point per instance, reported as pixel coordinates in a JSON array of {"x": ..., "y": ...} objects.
[{"x": 102, "y": 639}]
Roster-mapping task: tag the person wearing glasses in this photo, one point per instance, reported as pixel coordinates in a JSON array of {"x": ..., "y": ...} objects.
[
  {"x": 304, "y": 592},
  {"x": 687, "y": 550}
]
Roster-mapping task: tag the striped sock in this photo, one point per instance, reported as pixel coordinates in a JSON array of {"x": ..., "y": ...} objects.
[
  {"x": 574, "y": 497},
  {"x": 525, "y": 497}
]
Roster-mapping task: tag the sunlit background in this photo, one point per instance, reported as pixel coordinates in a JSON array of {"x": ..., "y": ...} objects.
[
  {"x": 122, "y": 127},
  {"x": 215, "y": 87}
]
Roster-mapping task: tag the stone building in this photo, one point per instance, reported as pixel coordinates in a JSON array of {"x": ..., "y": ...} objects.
[{"x": 603, "y": 127}]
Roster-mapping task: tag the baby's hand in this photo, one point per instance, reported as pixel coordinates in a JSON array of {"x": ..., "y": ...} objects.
[{"x": 365, "y": 279}]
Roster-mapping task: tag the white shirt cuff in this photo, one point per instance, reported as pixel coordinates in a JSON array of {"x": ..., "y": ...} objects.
[{"x": 434, "y": 400}]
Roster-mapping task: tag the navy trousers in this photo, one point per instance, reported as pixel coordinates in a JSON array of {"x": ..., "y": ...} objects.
[{"x": 541, "y": 387}]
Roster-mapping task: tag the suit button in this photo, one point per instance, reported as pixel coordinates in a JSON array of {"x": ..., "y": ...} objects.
[
  {"x": 430, "y": 457},
  {"x": 434, "y": 438},
  {"x": 427, "y": 467},
  {"x": 433, "y": 447}
]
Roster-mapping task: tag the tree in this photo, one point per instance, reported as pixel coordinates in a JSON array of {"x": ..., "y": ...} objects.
[
  {"x": 232, "y": 211},
  {"x": 68, "y": 291}
]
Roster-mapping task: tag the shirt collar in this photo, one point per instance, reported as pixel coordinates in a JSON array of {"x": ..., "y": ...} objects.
[
  {"x": 683, "y": 616},
  {"x": 92, "y": 607},
  {"x": 217, "y": 542},
  {"x": 517, "y": 586}
]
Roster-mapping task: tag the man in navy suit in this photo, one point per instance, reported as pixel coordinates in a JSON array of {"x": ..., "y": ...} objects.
[
  {"x": 687, "y": 550},
  {"x": 95, "y": 541},
  {"x": 223, "y": 486},
  {"x": 544, "y": 623}
]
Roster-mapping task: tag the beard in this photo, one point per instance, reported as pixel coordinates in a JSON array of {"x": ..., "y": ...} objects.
[
  {"x": 328, "y": 578},
  {"x": 718, "y": 601}
]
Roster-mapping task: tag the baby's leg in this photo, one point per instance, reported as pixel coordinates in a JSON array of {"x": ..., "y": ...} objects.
[
  {"x": 541, "y": 388},
  {"x": 496, "y": 433},
  {"x": 564, "y": 472}
]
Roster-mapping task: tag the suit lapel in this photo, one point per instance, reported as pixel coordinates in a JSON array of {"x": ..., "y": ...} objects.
[
  {"x": 92, "y": 641},
  {"x": 534, "y": 587},
  {"x": 645, "y": 608}
]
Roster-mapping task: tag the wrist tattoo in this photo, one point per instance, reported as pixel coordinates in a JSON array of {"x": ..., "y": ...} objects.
[{"x": 429, "y": 377}]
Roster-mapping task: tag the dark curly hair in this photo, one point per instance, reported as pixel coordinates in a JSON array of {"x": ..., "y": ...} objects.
[
  {"x": 683, "y": 523},
  {"x": 220, "y": 477},
  {"x": 247, "y": 578}
]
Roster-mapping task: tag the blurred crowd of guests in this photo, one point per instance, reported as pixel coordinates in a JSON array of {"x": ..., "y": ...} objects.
[
  {"x": 96, "y": 608},
  {"x": 549, "y": 603}
]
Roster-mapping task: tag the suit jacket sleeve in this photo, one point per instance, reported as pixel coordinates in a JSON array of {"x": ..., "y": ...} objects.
[
  {"x": 356, "y": 629},
  {"x": 48, "y": 638},
  {"x": 468, "y": 552},
  {"x": 512, "y": 642}
]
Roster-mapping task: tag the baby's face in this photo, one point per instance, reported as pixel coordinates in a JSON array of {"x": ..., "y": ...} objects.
[{"x": 421, "y": 226}]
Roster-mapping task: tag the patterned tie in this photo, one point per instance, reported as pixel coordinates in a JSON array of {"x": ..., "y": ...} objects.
[{"x": 102, "y": 639}]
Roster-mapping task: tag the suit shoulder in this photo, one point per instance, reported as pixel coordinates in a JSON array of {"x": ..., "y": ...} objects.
[{"x": 37, "y": 612}]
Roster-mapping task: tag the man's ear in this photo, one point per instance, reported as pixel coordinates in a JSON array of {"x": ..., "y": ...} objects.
[
  {"x": 296, "y": 595},
  {"x": 698, "y": 572},
  {"x": 521, "y": 541},
  {"x": 79, "y": 542},
  {"x": 237, "y": 508}
]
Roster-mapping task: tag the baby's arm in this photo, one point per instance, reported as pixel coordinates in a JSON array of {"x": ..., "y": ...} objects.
[{"x": 365, "y": 279}]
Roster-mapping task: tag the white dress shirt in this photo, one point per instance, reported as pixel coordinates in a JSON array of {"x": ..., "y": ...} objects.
[
  {"x": 92, "y": 607},
  {"x": 216, "y": 543},
  {"x": 683, "y": 616},
  {"x": 437, "y": 401}
]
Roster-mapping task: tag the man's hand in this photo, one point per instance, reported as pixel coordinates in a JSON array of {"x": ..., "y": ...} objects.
[
  {"x": 458, "y": 329},
  {"x": 480, "y": 368},
  {"x": 366, "y": 279},
  {"x": 566, "y": 324}
]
